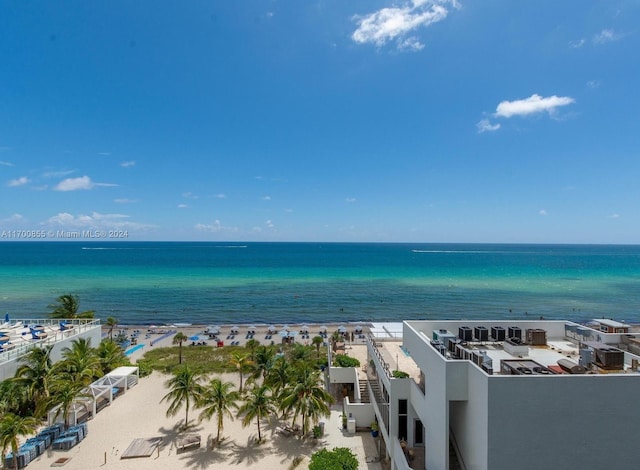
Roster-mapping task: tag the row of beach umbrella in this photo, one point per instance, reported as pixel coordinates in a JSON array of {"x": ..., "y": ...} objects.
[{"x": 284, "y": 331}]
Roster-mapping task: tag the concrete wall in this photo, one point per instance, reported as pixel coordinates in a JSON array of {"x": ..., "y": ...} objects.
[
  {"x": 469, "y": 420},
  {"x": 588, "y": 421},
  {"x": 64, "y": 340},
  {"x": 433, "y": 410},
  {"x": 362, "y": 412},
  {"x": 343, "y": 375}
]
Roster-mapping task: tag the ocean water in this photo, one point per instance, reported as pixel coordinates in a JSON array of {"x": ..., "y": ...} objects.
[{"x": 166, "y": 282}]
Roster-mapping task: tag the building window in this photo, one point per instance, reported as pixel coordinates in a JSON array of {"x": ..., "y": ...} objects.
[
  {"x": 402, "y": 407},
  {"x": 402, "y": 419},
  {"x": 418, "y": 433}
]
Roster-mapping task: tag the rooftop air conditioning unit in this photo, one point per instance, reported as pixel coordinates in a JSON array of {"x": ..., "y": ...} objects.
[
  {"x": 514, "y": 332},
  {"x": 498, "y": 333},
  {"x": 465, "y": 333},
  {"x": 480, "y": 333},
  {"x": 610, "y": 358}
]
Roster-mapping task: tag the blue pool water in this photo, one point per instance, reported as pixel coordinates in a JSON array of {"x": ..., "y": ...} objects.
[{"x": 130, "y": 351}]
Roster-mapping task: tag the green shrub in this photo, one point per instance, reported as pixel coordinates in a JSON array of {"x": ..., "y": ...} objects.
[
  {"x": 342, "y": 360},
  {"x": 340, "y": 458},
  {"x": 399, "y": 374}
]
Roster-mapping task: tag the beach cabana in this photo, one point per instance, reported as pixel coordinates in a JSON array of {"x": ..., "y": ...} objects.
[
  {"x": 304, "y": 329},
  {"x": 272, "y": 330},
  {"x": 342, "y": 329},
  {"x": 107, "y": 388},
  {"x": 252, "y": 329},
  {"x": 212, "y": 330},
  {"x": 81, "y": 410},
  {"x": 235, "y": 330}
]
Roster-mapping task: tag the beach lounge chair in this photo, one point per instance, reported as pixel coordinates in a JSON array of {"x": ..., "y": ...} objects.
[{"x": 190, "y": 441}]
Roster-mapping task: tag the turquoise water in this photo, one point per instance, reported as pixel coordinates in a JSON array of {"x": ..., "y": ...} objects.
[
  {"x": 162, "y": 282},
  {"x": 133, "y": 349}
]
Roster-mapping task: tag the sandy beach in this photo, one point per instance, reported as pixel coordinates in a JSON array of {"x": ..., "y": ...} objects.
[{"x": 139, "y": 413}]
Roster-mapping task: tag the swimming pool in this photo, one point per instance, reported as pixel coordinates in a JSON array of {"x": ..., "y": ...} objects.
[
  {"x": 404, "y": 350},
  {"x": 130, "y": 351}
]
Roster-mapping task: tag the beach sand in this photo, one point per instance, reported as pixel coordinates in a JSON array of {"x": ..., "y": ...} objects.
[{"x": 139, "y": 413}]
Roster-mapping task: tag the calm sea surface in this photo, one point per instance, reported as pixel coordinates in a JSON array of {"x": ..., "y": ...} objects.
[{"x": 163, "y": 282}]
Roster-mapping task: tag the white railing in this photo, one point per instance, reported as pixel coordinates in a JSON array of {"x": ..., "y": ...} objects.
[{"x": 53, "y": 336}]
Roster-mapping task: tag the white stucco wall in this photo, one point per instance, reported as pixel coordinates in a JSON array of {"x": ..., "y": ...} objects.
[{"x": 587, "y": 421}]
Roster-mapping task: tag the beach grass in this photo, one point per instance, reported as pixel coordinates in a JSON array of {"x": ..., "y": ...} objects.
[{"x": 212, "y": 360}]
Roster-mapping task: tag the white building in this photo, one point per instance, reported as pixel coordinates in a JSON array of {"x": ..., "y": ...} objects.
[{"x": 562, "y": 397}]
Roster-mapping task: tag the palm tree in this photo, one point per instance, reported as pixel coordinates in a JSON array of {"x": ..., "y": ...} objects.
[
  {"x": 111, "y": 323},
  {"x": 279, "y": 375},
  {"x": 251, "y": 345},
  {"x": 241, "y": 361},
  {"x": 258, "y": 404},
  {"x": 14, "y": 398},
  {"x": 184, "y": 387},
  {"x": 317, "y": 341},
  {"x": 65, "y": 392},
  {"x": 218, "y": 398},
  {"x": 179, "y": 338},
  {"x": 307, "y": 397},
  {"x": 80, "y": 362},
  {"x": 67, "y": 306},
  {"x": 110, "y": 356},
  {"x": 262, "y": 362},
  {"x": 12, "y": 427},
  {"x": 36, "y": 372}
]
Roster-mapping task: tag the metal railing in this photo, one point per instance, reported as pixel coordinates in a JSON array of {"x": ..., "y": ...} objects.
[{"x": 78, "y": 326}]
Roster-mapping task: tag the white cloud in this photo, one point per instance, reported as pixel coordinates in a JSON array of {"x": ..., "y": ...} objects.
[
  {"x": 81, "y": 183},
  {"x": 3, "y": 163},
  {"x": 270, "y": 224},
  {"x": 410, "y": 44},
  {"x": 614, "y": 216},
  {"x": 190, "y": 195},
  {"x": 18, "y": 182},
  {"x": 593, "y": 84},
  {"x": 350, "y": 200},
  {"x": 13, "y": 218},
  {"x": 221, "y": 196},
  {"x": 182, "y": 206},
  {"x": 125, "y": 201},
  {"x": 266, "y": 198},
  {"x": 95, "y": 220},
  {"x": 484, "y": 125},
  {"x": 215, "y": 227},
  {"x": 104, "y": 154},
  {"x": 542, "y": 212},
  {"x": 127, "y": 164},
  {"x": 57, "y": 174},
  {"x": 288, "y": 210},
  {"x": 605, "y": 36},
  {"x": 394, "y": 23},
  {"x": 577, "y": 43},
  {"x": 534, "y": 104}
]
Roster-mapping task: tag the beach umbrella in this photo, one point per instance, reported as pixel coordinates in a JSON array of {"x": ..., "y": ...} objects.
[
  {"x": 234, "y": 329},
  {"x": 272, "y": 329},
  {"x": 304, "y": 329},
  {"x": 323, "y": 329},
  {"x": 342, "y": 329},
  {"x": 213, "y": 329},
  {"x": 284, "y": 333},
  {"x": 358, "y": 328},
  {"x": 285, "y": 327}
]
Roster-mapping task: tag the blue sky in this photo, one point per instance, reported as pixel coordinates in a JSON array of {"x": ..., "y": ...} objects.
[{"x": 427, "y": 121}]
